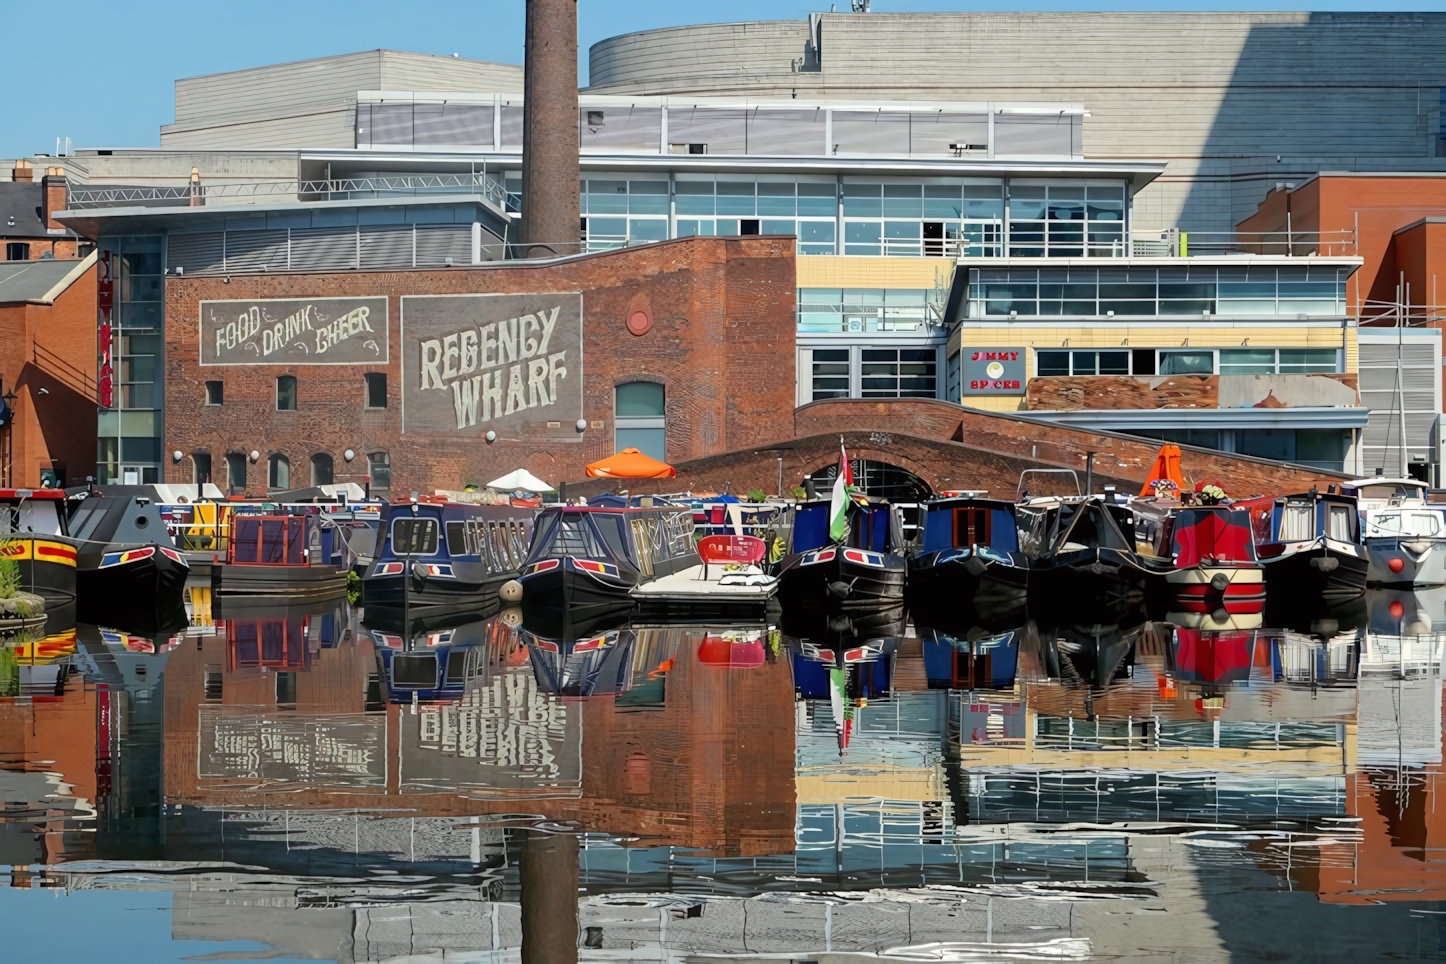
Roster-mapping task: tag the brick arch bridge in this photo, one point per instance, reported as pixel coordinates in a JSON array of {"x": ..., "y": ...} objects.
[{"x": 950, "y": 446}]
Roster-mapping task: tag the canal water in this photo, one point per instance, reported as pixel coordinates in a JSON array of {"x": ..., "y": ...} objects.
[{"x": 296, "y": 784}]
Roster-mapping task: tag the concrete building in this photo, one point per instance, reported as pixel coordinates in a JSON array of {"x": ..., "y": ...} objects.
[{"x": 1234, "y": 102}]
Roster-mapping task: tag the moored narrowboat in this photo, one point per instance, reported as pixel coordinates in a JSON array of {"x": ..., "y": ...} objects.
[
  {"x": 865, "y": 571},
  {"x": 272, "y": 555},
  {"x": 128, "y": 569},
  {"x": 1310, "y": 546},
  {"x": 587, "y": 558},
  {"x": 1214, "y": 556},
  {"x": 969, "y": 558},
  {"x": 445, "y": 557},
  {"x": 1082, "y": 553},
  {"x": 33, "y": 535}
]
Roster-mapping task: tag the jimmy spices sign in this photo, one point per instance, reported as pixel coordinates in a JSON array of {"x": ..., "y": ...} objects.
[
  {"x": 294, "y": 331},
  {"x": 471, "y": 363}
]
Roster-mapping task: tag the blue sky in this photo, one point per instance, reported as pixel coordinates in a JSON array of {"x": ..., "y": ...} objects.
[{"x": 103, "y": 73}]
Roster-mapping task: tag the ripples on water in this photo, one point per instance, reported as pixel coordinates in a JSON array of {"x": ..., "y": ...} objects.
[{"x": 298, "y": 784}]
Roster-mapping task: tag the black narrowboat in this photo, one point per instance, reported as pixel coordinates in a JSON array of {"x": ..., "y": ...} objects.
[
  {"x": 440, "y": 557},
  {"x": 969, "y": 557},
  {"x": 587, "y": 558},
  {"x": 865, "y": 571},
  {"x": 1310, "y": 546},
  {"x": 1082, "y": 553},
  {"x": 128, "y": 569},
  {"x": 33, "y": 535}
]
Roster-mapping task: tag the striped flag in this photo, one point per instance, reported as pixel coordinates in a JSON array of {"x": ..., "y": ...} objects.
[{"x": 838, "y": 502}]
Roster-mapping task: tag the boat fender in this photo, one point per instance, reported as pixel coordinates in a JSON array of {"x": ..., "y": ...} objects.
[
  {"x": 1221, "y": 616},
  {"x": 419, "y": 576},
  {"x": 975, "y": 565},
  {"x": 840, "y": 588},
  {"x": 1416, "y": 548},
  {"x": 840, "y": 624},
  {"x": 1219, "y": 582},
  {"x": 511, "y": 591},
  {"x": 1325, "y": 563},
  {"x": 511, "y": 617}
]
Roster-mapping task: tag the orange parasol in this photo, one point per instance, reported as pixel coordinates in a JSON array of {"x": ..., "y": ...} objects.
[
  {"x": 1164, "y": 474},
  {"x": 630, "y": 464}
]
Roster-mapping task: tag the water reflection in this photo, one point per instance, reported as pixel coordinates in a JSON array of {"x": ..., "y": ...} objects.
[{"x": 1018, "y": 787}]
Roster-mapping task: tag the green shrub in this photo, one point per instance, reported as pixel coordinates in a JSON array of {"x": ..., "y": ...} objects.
[
  {"x": 9, "y": 571},
  {"x": 757, "y": 495}
]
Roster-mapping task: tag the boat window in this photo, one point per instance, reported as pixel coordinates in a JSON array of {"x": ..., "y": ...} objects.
[
  {"x": 459, "y": 542},
  {"x": 971, "y": 527},
  {"x": 1424, "y": 524},
  {"x": 678, "y": 530},
  {"x": 1340, "y": 523},
  {"x": 414, "y": 537},
  {"x": 518, "y": 532},
  {"x": 457, "y": 666},
  {"x": 644, "y": 544},
  {"x": 1391, "y": 490},
  {"x": 573, "y": 538},
  {"x": 1297, "y": 522},
  {"x": 415, "y": 671},
  {"x": 500, "y": 551},
  {"x": 613, "y": 532}
]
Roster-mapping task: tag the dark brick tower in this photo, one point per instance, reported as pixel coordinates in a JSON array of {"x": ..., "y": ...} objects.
[{"x": 550, "y": 210}]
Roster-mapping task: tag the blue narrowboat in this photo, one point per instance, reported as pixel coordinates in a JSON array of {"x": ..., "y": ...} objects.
[
  {"x": 970, "y": 554},
  {"x": 447, "y": 557},
  {"x": 865, "y": 571},
  {"x": 587, "y": 558}
]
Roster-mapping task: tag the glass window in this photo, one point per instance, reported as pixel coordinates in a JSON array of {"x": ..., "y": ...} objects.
[
  {"x": 279, "y": 476},
  {"x": 1051, "y": 363},
  {"x": 321, "y": 469},
  {"x": 1247, "y": 361},
  {"x": 1187, "y": 363},
  {"x": 861, "y": 238},
  {"x": 376, "y": 384},
  {"x": 1308, "y": 359},
  {"x": 236, "y": 471},
  {"x": 647, "y": 229},
  {"x": 286, "y": 393},
  {"x": 640, "y": 399},
  {"x": 1114, "y": 362},
  {"x": 817, "y": 200},
  {"x": 898, "y": 373},
  {"x": 816, "y": 237},
  {"x": 379, "y": 472},
  {"x": 200, "y": 467},
  {"x": 414, "y": 536},
  {"x": 830, "y": 373},
  {"x": 863, "y": 200},
  {"x": 215, "y": 393},
  {"x": 736, "y": 198}
]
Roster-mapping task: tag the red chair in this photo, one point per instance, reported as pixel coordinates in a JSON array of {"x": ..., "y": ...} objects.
[{"x": 730, "y": 549}]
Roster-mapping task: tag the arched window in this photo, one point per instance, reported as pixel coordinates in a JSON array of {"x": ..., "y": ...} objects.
[
  {"x": 321, "y": 469},
  {"x": 236, "y": 471},
  {"x": 639, "y": 419},
  {"x": 279, "y": 476},
  {"x": 286, "y": 393},
  {"x": 201, "y": 464}
]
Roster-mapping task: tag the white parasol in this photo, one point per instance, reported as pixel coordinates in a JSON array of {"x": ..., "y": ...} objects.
[{"x": 520, "y": 480}]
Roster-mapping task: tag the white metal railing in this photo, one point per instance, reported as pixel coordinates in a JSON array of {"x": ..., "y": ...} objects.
[
  {"x": 1174, "y": 243},
  {"x": 82, "y": 198}
]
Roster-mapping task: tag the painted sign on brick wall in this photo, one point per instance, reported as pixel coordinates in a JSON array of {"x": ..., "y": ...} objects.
[
  {"x": 294, "y": 331},
  {"x": 993, "y": 371},
  {"x": 471, "y": 363}
]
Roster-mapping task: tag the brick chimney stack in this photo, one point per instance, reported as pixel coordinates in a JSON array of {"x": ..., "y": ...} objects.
[
  {"x": 550, "y": 170},
  {"x": 53, "y": 189},
  {"x": 21, "y": 171}
]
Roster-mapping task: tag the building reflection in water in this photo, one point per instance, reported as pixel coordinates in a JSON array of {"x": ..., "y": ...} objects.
[{"x": 374, "y": 794}]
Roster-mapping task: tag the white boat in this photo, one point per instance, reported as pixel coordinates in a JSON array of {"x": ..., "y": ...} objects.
[
  {"x": 730, "y": 580},
  {"x": 1404, "y": 534}
]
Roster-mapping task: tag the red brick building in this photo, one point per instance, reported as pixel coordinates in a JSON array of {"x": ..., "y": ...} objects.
[
  {"x": 709, "y": 321},
  {"x": 48, "y": 361}
]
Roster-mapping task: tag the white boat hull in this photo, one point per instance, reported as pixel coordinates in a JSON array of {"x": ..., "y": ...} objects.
[{"x": 1408, "y": 561}]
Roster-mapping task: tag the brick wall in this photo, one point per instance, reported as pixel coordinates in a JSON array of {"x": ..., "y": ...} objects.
[
  {"x": 721, "y": 341},
  {"x": 51, "y": 347}
]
